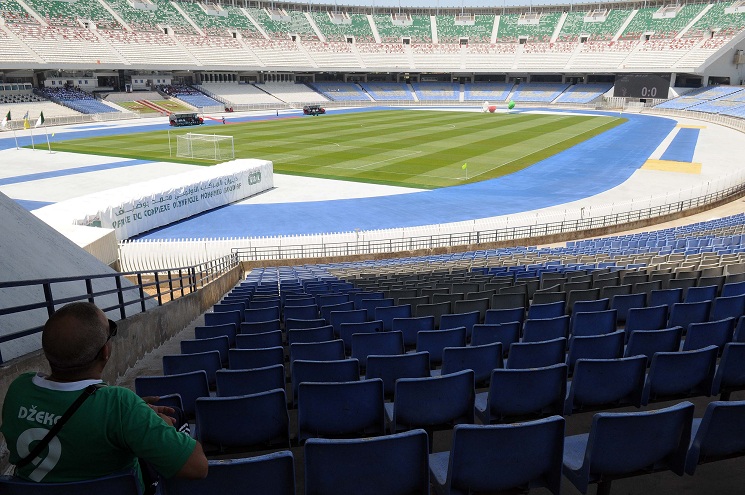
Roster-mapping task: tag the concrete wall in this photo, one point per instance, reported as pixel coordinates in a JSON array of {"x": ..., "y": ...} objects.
[{"x": 137, "y": 335}]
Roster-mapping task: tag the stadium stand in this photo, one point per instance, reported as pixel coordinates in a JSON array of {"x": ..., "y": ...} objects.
[
  {"x": 291, "y": 92},
  {"x": 13, "y": 12},
  {"x": 280, "y": 23},
  {"x": 333, "y": 54},
  {"x": 583, "y": 93},
  {"x": 538, "y": 27},
  {"x": 338, "y": 26},
  {"x": 538, "y": 92},
  {"x": 475, "y": 28},
  {"x": 487, "y": 91},
  {"x": 597, "y": 25},
  {"x": 163, "y": 16},
  {"x": 240, "y": 94},
  {"x": 76, "y": 99},
  {"x": 220, "y": 19},
  {"x": 73, "y": 14},
  {"x": 394, "y": 27},
  {"x": 279, "y": 53},
  {"x": 437, "y": 91},
  {"x": 339, "y": 91},
  {"x": 663, "y": 22},
  {"x": 718, "y": 21},
  {"x": 189, "y": 95},
  {"x": 385, "y": 91}
]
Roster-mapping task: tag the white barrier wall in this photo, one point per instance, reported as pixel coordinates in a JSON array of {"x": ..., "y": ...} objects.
[{"x": 131, "y": 210}]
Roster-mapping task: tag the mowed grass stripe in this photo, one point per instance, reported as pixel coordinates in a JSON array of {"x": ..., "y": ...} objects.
[{"x": 423, "y": 149}]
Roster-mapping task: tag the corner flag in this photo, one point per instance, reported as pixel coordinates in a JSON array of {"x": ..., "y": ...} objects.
[
  {"x": 465, "y": 166},
  {"x": 4, "y": 123},
  {"x": 40, "y": 120}
]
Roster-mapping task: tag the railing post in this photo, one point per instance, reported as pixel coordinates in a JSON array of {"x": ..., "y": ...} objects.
[
  {"x": 157, "y": 289},
  {"x": 141, "y": 291},
  {"x": 120, "y": 297}
]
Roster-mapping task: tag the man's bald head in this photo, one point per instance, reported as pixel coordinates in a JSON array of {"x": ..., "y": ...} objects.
[{"x": 74, "y": 335}]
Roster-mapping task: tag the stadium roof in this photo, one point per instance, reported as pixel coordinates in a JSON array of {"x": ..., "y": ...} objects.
[{"x": 449, "y": 4}]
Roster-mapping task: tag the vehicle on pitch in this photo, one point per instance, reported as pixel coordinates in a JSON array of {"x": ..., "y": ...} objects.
[
  {"x": 314, "y": 110},
  {"x": 185, "y": 118}
]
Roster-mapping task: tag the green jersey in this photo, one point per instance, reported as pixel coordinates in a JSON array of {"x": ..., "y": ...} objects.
[{"x": 107, "y": 434}]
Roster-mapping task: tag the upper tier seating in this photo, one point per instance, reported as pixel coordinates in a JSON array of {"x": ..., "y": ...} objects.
[
  {"x": 355, "y": 25},
  {"x": 69, "y": 14},
  {"x": 291, "y": 92},
  {"x": 12, "y": 12},
  {"x": 164, "y": 14},
  {"x": 228, "y": 20},
  {"x": 416, "y": 27},
  {"x": 280, "y": 23},
  {"x": 576, "y": 24},
  {"x": 663, "y": 27},
  {"x": 716, "y": 19},
  {"x": 511, "y": 29},
  {"x": 452, "y": 28},
  {"x": 66, "y": 45},
  {"x": 190, "y": 95},
  {"x": 714, "y": 99}
]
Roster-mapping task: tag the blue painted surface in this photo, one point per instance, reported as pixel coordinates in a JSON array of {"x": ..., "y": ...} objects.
[
  {"x": 70, "y": 171},
  {"x": 29, "y": 205},
  {"x": 589, "y": 168},
  {"x": 682, "y": 146}
]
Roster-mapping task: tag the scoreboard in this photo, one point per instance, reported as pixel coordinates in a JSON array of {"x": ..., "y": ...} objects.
[{"x": 641, "y": 86}]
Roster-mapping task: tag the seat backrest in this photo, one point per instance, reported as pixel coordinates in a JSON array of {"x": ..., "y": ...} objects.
[
  {"x": 318, "y": 351},
  {"x": 718, "y": 435},
  {"x": 380, "y": 343},
  {"x": 411, "y": 326},
  {"x": 508, "y": 301},
  {"x": 308, "y": 335},
  {"x": 529, "y": 454},
  {"x": 482, "y": 359},
  {"x": 648, "y": 342},
  {"x": 249, "y": 327},
  {"x": 336, "y": 318},
  {"x": 392, "y": 367},
  {"x": 340, "y": 409},
  {"x": 393, "y": 464},
  {"x": 358, "y": 297},
  {"x": 328, "y": 299},
  {"x": 269, "y": 474},
  {"x": 455, "y": 320},
  {"x": 370, "y": 305},
  {"x": 701, "y": 293},
  {"x": 189, "y": 386},
  {"x": 619, "y": 443},
  {"x": 716, "y": 333},
  {"x": 220, "y": 344},
  {"x": 504, "y": 315},
  {"x": 208, "y": 361},
  {"x": 244, "y": 359},
  {"x": 259, "y": 340},
  {"x": 680, "y": 374},
  {"x": 261, "y": 314},
  {"x": 325, "y": 311},
  {"x": 536, "y": 354},
  {"x": 606, "y": 346},
  {"x": 581, "y": 295},
  {"x": 434, "y": 402},
  {"x": 223, "y": 317},
  {"x": 506, "y": 333},
  {"x": 435, "y": 341},
  {"x": 522, "y": 392},
  {"x": 307, "y": 312},
  {"x": 591, "y": 306},
  {"x": 604, "y": 382},
  {"x": 433, "y": 309},
  {"x": 668, "y": 297},
  {"x": 684, "y": 314},
  {"x": 549, "y": 297},
  {"x": 209, "y": 331},
  {"x": 221, "y": 421},
  {"x": 342, "y": 370},
  {"x": 346, "y": 330},
  {"x": 548, "y": 310},
  {"x": 115, "y": 484},
  {"x": 651, "y": 318},
  {"x": 538, "y": 330},
  {"x": 249, "y": 381},
  {"x": 723, "y": 307},
  {"x": 481, "y": 305},
  {"x": 730, "y": 374},
  {"x": 386, "y": 314},
  {"x": 623, "y": 303},
  {"x": 593, "y": 323}
]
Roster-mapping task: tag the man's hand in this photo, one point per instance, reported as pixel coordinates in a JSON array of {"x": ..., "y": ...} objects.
[{"x": 162, "y": 411}]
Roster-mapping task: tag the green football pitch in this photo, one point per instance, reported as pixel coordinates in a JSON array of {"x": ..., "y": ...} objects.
[{"x": 413, "y": 148}]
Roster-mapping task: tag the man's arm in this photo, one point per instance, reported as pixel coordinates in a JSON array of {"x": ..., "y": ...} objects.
[{"x": 195, "y": 466}]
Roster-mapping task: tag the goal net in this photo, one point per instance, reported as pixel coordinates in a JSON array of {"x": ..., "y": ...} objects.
[{"x": 205, "y": 146}]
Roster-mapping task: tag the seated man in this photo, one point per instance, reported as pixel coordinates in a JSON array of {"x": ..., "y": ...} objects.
[{"x": 110, "y": 430}]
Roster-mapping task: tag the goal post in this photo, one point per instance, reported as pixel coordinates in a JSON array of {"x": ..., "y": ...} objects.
[{"x": 205, "y": 146}]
